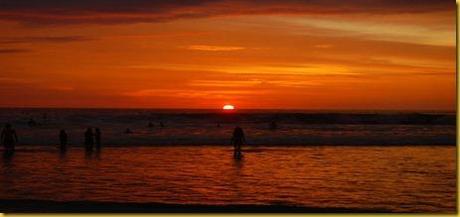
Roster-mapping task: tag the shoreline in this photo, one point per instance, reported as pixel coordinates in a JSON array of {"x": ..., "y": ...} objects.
[
  {"x": 248, "y": 148},
  {"x": 47, "y": 206}
]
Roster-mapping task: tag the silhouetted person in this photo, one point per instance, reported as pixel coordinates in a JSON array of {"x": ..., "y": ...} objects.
[
  {"x": 9, "y": 138},
  {"x": 63, "y": 140},
  {"x": 150, "y": 124},
  {"x": 238, "y": 140},
  {"x": 32, "y": 123},
  {"x": 97, "y": 138},
  {"x": 273, "y": 125},
  {"x": 128, "y": 131},
  {"x": 89, "y": 140},
  {"x": 162, "y": 124}
]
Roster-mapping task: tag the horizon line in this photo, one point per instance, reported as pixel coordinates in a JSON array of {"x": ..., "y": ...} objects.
[{"x": 176, "y": 108}]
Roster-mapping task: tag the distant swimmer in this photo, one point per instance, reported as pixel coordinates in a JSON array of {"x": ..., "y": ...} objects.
[
  {"x": 89, "y": 140},
  {"x": 128, "y": 131},
  {"x": 63, "y": 140},
  {"x": 9, "y": 138},
  {"x": 150, "y": 125},
  {"x": 238, "y": 140},
  {"x": 273, "y": 125},
  {"x": 32, "y": 123},
  {"x": 97, "y": 138}
]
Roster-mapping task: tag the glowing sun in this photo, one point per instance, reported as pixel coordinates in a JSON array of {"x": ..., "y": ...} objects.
[{"x": 228, "y": 107}]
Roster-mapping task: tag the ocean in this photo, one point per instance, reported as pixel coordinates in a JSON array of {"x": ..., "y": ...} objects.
[
  {"x": 215, "y": 127},
  {"x": 373, "y": 161},
  {"x": 414, "y": 179}
]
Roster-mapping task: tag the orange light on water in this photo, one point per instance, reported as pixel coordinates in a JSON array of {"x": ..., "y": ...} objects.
[{"x": 228, "y": 107}]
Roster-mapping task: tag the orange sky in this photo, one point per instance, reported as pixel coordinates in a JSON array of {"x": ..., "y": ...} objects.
[{"x": 280, "y": 54}]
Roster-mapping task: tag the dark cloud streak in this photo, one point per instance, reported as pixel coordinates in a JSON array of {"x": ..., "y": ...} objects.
[
  {"x": 45, "y": 39},
  {"x": 13, "y": 50},
  {"x": 119, "y": 11}
]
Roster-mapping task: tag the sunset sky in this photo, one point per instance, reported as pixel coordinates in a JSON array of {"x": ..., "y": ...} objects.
[{"x": 291, "y": 54}]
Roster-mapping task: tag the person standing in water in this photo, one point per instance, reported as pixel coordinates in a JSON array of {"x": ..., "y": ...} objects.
[
  {"x": 97, "y": 138},
  {"x": 238, "y": 140},
  {"x": 9, "y": 138},
  {"x": 89, "y": 140},
  {"x": 63, "y": 140}
]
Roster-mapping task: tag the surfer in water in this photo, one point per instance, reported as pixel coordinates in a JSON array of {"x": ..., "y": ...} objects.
[{"x": 238, "y": 140}]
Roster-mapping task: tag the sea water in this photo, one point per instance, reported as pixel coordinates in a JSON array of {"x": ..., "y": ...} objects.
[
  {"x": 212, "y": 127},
  {"x": 397, "y": 178}
]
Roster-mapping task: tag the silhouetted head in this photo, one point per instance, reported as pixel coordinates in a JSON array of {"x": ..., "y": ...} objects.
[
  {"x": 8, "y": 126},
  {"x": 97, "y": 130}
]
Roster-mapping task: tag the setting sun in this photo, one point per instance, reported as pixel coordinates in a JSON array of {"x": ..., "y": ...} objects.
[{"x": 228, "y": 107}]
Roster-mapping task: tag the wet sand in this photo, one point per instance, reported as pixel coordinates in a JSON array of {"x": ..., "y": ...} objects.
[{"x": 33, "y": 206}]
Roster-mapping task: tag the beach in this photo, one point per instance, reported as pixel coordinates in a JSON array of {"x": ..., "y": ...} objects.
[{"x": 43, "y": 206}]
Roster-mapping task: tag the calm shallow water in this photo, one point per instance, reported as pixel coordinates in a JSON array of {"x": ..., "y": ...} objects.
[{"x": 419, "y": 179}]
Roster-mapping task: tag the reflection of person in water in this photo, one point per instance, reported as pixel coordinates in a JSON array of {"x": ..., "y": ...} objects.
[
  {"x": 9, "y": 138},
  {"x": 63, "y": 140},
  {"x": 238, "y": 140}
]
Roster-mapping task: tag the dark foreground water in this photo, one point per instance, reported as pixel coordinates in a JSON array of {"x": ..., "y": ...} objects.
[{"x": 398, "y": 178}]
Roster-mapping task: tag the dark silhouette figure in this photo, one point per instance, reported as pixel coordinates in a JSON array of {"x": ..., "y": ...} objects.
[
  {"x": 32, "y": 123},
  {"x": 150, "y": 125},
  {"x": 128, "y": 131},
  {"x": 89, "y": 140},
  {"x": 238, "y": 140},
  {"x": 9, "y": 138},
  {"x": 273, "y": 125},
  {"x": 97, "y": 138},
  {"x": 63, "y": 141},
  {"x": 162, "y": 124}
]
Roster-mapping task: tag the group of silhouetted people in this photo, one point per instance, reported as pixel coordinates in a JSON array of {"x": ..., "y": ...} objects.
[
  {"x": 9, "y": 139},
  {"x": 91, "y": 139}
]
